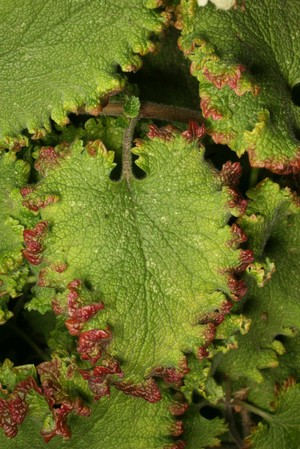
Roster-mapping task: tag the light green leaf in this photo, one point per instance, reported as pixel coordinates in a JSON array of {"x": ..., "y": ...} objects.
[
  {"x": 54, "y": 59},
  {"x": 247, "y": 69},
  {"x": 155, "y": 251}
]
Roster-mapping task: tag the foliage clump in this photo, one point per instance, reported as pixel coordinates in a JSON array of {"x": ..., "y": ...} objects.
[{"x": 149, "y": 253}]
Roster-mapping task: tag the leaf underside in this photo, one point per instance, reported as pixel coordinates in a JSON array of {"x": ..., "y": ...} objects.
[{"x": 247, "y": 69}]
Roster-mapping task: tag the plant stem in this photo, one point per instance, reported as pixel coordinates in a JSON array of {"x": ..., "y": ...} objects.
[
  {"x": 246, "y": 422},
  {"x": 229, "y": 417},
  {"x": 253, "y": 409},
  {"x": 127, "y": 145},
  {"x": 157, "y": 111},
  {"x": 254, "y": 172}
]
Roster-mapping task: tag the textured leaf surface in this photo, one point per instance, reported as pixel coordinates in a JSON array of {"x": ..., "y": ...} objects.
[
  {"x": 150, "y": 259},
  {"x": 114, "y": 422},
  {"x": 13, "y": 175},
  {"x": 282, "y": 429},
  {"x": 272, "y": 224},
  {"x": 54, "y": 60},
  {"x": 247, "y": 68},
  {"x": 264, "y": 394},
  {"x": 201, "y": 433}
]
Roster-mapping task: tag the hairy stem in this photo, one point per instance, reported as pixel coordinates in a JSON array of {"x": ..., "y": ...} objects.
[
  {"x": 157, "y": 111},
  {"x": 127, "y": 145},
  {"x": 246, "y": 422}
]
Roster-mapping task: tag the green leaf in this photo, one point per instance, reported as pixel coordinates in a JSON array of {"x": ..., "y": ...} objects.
[
  {"x": 200, "y": 376},
  {"x": 200, "y": 432},
  {"x": 67, "y": 57},
  {"x": 281, "y": 428},
  {"x": 10, "y": 376},
  {"x": 264, "y": 394},
  {"x": 110, "y": 130},
  {"x": 272, "y": 223},
  {"x": 151, "y": 259},
  {"x": 247, "y": 69},
  {"x": 116, "y": 421},
  {"x": 13, "y": 216}
]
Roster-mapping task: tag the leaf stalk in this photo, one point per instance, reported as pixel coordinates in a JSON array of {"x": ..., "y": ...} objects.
[
  {"x": 127, "y": 145},
  {"x": 157, "y": 111},
  {"x": 251, "y": 408}
]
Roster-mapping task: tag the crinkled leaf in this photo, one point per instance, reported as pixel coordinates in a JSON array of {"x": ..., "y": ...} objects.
[
  {"x": 153, "y": 254},
  {"x": 200, "y": 376},
  {"x": 247, "y": 68},
  {"x": 13, "y": 174},
  {"x": 264, "y": 394},
  {"x": 132, "y": 107},
  {"x": 116, "y": 421},
  {"x": 281, "y": 429},
  {"x": 11, "y": 375},
  {"x": 110, "y": 130},
  {"x": 200, "y": 432},
  {"x": 54, "y": 60},
  {"x": 272, "y": 224}
]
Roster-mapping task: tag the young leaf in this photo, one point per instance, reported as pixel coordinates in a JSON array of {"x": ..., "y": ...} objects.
[
  {"x": 132, "y": 107},
  {"x": 67, "y": 57},
  {"x": 248, "y": 70},
  {"x": 143, "y": 267}
]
